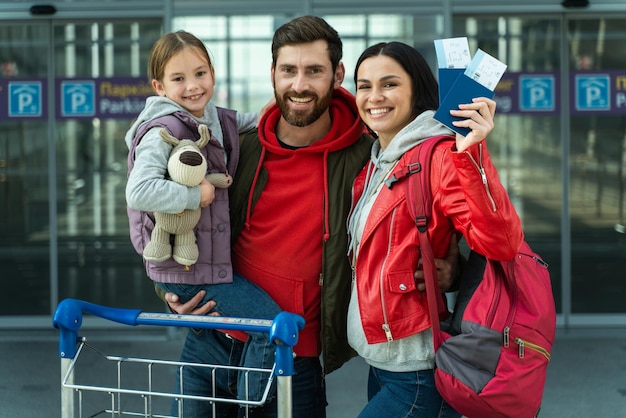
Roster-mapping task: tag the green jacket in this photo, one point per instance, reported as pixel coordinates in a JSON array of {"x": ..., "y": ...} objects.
[{"x": 343, "y": 167}]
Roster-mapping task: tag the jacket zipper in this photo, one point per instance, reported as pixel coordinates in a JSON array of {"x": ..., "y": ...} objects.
[
  {"x": 483, "y": 175},
  {"x": 385, "y": 325}
]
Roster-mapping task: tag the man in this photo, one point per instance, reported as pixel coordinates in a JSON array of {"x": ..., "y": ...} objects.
[{"x": 289, "y": 205}]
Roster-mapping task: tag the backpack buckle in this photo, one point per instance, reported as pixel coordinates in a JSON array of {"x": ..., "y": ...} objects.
[
  {"x": 413, "y": 168},
  {"x": 390, "y": 181},
  {"x": 421, "y": 222}
]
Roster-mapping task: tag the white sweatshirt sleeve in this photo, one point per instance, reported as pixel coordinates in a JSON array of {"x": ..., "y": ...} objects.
[{"x": 247, "y": 121}]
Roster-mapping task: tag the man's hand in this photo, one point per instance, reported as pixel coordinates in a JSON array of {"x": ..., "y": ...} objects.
[
  {"x": 207, "y": 193},
  {"x": 191, "y": 306},
  {"x": 448, "y": 270}
]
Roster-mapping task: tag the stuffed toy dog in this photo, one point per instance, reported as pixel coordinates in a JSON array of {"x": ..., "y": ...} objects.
[{"x": 187, "y": 166}]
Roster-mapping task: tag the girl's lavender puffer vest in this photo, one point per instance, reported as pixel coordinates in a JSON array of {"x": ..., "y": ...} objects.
[{"x": 213, "y": 230}]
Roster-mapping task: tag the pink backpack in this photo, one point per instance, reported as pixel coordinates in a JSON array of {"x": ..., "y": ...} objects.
[{"x": 493, "y": 351}]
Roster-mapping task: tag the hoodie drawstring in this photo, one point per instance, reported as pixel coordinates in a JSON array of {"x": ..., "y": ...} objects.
[
  {"x": 252, "y": 186},
  {"x": 326, "y": 193}
]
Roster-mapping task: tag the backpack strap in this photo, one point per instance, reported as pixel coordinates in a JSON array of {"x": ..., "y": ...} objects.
[{"x": 419, "y": 200}]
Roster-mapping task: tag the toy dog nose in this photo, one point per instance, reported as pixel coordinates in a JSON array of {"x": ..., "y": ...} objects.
[{"x": 190, "y": 158}]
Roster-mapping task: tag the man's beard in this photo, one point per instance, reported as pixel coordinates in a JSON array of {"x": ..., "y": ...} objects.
[{"x": 303, "y": 118}]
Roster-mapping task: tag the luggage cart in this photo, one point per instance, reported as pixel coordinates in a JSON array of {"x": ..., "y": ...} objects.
[{"x": 121, "y": 399}]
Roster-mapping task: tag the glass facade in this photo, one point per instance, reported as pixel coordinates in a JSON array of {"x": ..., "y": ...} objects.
[
  {"x": 64, "y": 230},
  {"x": 563, "y": 166},
  {"x": 558, "y": 144}
]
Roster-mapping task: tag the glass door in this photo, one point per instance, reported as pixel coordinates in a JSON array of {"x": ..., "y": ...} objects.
[
  {"x": 526, "y": 142},
  {"x": 597, "y": 157},
  {"x": 69, "y": 91},
  {"x": 25, "y": 253},
  {"x": 559, "y": 145}
]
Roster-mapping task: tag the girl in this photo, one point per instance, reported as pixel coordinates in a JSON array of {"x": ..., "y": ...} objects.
[
  {"x": 388, "y": 324},
  {"x": 184, "y": 79}
]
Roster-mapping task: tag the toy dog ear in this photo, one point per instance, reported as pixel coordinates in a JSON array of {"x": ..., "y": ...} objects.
[
  {"x": 205, "y": 136},
  {"x": 168, "y": 138}
]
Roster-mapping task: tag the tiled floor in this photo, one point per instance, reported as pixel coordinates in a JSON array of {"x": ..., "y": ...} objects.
[{"x": 586, "y": 379}]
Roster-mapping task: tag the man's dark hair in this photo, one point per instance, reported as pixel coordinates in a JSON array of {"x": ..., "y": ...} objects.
[{"x": 306, "y": 29}]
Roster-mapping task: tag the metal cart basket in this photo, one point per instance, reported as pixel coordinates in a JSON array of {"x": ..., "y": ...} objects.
[{"x": 142, "y": 387}]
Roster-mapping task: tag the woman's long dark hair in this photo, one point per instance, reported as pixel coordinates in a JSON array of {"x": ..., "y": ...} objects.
[{"x": 425, "y": 94}]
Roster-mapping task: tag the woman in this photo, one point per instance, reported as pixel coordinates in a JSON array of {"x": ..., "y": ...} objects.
[{"x": 388, "y": 325}]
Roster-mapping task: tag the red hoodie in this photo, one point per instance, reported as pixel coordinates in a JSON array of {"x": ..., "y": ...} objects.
[{"x": 280, "y": 249}]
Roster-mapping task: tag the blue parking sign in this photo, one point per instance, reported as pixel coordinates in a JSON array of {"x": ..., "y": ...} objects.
[
  {"x": 78, "y": 98},
  {"x": 25, "y": 99},
  {"x": 593, "y": 92},
  {"x": 537, "y": 93}
]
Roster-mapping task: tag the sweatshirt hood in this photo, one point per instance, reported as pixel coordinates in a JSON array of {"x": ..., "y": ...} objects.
[
  {"x": 421, "y": 128},
  {"x": 424, "y": 126},
  {"x": 346, "y": 126},
  {"x": 157, "y": 106},
  {"x": 345, "y": 130}
]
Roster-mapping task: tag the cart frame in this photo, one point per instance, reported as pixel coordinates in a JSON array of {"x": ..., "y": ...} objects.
[{"x": 283, "y": 331}]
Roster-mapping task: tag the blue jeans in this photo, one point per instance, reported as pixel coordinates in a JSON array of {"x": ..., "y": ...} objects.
[
  {"x": 242, "y": 299},
  {"x": 213, "y": 347},
  {"x": 404, "y": 394}
]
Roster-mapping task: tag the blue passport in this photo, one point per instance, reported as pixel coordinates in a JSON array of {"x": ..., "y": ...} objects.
[
  {"x": 462, "y": 91},
  {"x": 447, "y": 77},
  {"x": 459, "y": 85}
]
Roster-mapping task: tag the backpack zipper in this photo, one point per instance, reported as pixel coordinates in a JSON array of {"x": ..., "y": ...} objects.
[
  {"x": 510, "y": 278},
  {"x": 536, "y": 259},
  {"x": 535, "y": 347},
  {"x": 494, "y": 303},
  {"x": 507, "y": 330}
]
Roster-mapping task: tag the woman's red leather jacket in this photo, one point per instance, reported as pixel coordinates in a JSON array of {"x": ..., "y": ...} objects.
[{"x": 467, "y": 197}]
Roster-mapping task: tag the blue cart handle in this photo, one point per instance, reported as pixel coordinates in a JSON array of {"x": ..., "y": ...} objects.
[{"x": 68, "y": 318}]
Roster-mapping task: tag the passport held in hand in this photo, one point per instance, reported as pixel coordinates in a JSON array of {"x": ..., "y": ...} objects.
[{"x": 462, "y": 79}]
